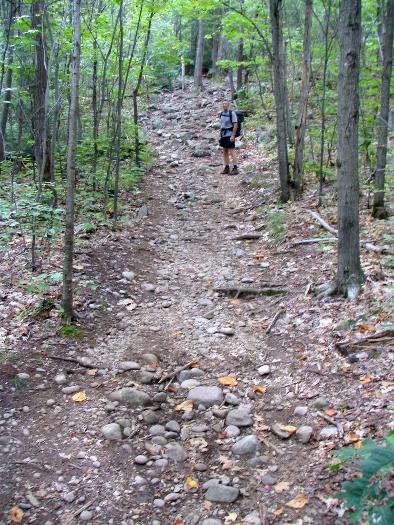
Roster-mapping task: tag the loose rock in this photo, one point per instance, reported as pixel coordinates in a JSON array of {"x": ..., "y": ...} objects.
[
  {"x": 247, "y": 445},
  {"x": 222, "y": 494},
  {"x": 112, "y": 431},
  {"x": 130, "y": 396},
  {"x": 239, "y": 417},
  {"x": 206, "y": 395}
]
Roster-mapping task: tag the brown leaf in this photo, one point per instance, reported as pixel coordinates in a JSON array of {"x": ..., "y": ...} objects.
[
  {"x": 228, "y": 381},
  {"x": 353, "y": 437},
  {"x": 282, "y": 486},
  {"x": 185, "y": 406},
  {"x": 365, "y": 380},
  {"x": 259, "y": 389},
  {"x": 191, "y": 483},
  {"x": 288, "y": 428},
  {"x": 16, "y": 515},
  {"x": 367, "y": 328},
  {"x": 298, "y": 502},
  {"x": 330, "y": 412}
]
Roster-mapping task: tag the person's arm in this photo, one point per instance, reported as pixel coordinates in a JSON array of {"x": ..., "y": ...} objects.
[{"x": 235, "y": 127}]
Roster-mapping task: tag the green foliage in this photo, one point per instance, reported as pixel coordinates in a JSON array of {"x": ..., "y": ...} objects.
[
  {"x": 277, "y": 226},
  {"x": 369, "y": 495}
]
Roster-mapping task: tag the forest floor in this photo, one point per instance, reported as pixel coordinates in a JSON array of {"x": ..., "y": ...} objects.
[{"x": 172, "y": 459}]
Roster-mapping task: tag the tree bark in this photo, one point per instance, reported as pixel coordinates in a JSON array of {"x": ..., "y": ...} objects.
[
  {"x": 119, "y": 104},
  {"x": 40, "y": 97},
  {"x": 349, "y": 273},
  {"x": 302, "y": 110},
  {"x": 379, "y": 210},
  {"x": 68, "y": 310},
  {"x": 199, "y": 55},
  {"x": 276, "y": 7}
]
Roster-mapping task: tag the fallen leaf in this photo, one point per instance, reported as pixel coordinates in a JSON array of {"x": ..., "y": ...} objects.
[
  {"x": 288, "y": 428},
  {"x": 282, "y": 486},
  {"x": 92, "y": 372},
  {"x": 178, "y": 521},
  {"x": 359, "y": 444},
  {"x": 79, "y": 397},
  {"x": 235, "y": 301},
  {"x": 228, "y": 381},
  {"x": 231, "y": 518},
  {"x": 185, "y": 406},
  {"x": 298, "y": 502},
  {"x": 353, "y": 437},
  {"x": 196, "y": 364},
  {"x": 153, "y": 364},
  {"x": 330, "y": 412},
  {"x": 365, "y": 380},
  {"x": 367, "y": 328},
  {"x": 191, "y": 483},
  {"x": 16, "y": 515},
  {"x": 278, "y": 512},
  {"x": 259, "y": 389}
]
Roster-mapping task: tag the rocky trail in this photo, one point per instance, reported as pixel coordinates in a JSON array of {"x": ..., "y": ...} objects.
[{"x": 194, "y": 400}]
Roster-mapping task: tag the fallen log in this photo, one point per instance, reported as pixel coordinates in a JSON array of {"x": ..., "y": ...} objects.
[
  {"x": 323, "y": 223},
  {"x": 81, "y": 361},
  {"x": 383, "y": 338},
  {"x": 314, "y": 241},
  {"x": 237, "y": 291}
]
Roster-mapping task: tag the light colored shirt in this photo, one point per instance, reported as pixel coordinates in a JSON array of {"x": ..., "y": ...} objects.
[{"x": 226, "y": 126}]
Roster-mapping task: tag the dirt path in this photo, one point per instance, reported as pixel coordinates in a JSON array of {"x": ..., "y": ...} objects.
[{"x": 168, "y": 463}]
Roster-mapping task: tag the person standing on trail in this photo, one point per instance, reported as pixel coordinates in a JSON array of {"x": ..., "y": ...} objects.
[{"x": 228, "y": 130}]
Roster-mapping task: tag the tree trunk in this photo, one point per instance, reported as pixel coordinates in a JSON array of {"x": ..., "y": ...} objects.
[
  {"x": 327, "y": 49},
  {"x": 379, "y": 210},
  {"x": 119, "y": 105},
  {"x": 199, "y": 55},
  {"x": 68, "y": 310},
  {"x": 289, "y": 127},
  {"x": 40, "y": 91},
  {"x": 240, "y": 68},
  {"x": 276, "y": 7},
  {"x": 302, "y": 110},
  {"x": 349, "y": 273}
]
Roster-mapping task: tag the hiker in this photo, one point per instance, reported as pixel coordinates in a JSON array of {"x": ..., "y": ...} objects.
[{"x": 228, "y": 132}]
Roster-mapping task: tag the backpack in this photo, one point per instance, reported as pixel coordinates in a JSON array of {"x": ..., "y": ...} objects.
[{"x": 240, "y": 117}]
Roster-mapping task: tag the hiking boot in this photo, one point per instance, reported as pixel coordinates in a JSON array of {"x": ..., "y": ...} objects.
[
  {"x": 234, "y": 171},
  {"x": 226, "y": 170}
]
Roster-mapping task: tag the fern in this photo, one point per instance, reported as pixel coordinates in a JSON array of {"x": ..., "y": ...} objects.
[{"x": 371, "y": 494}]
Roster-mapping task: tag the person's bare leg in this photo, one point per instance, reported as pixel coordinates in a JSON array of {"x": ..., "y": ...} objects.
[
  {"x": 226, "y": 156},
  {"x": 233, "y": 155}
]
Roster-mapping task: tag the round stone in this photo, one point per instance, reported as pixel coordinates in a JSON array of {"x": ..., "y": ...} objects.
[
  {"x": 264, "y": 370},
  {"x": 222, "y": 494},
  {"x": 239, "y": 417},
  {"x": 206, "y": 395},
  {"x": 112, "y": 431},
  {"x": 141, "y": 460},
  {"x": 246, "y": 445}
]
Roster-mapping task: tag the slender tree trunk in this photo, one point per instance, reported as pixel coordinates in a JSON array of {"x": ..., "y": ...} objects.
[
  {"x": 289, "y": 127},
  {"x": 199, "y": 55},
  {"x": 136, "y": 90},
  {"x": 327, "y": 47},
  {"x": 349, "y": 273},
  {"x": 379, "y": 209},
  {"x": 95, "y": 114},
  {"x": 231, "y": 83},
  {"x": 40, "y": 91},
  {"x": 276, "y": 7},
  {"x": 119, "y": 111},
  {"x": 240, "y": 68},
  {"x": 303, "y": 107},
  {"x": 68, "y": 310}
]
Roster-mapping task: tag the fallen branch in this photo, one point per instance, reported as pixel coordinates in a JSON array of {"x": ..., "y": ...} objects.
[
  {"x": 171, "y": 375},
  {"x": 381, "y": 338},
  {"x": 367, "y": 244},
  {"x": 237, "y": 291},
  {"x": 81, "y": 509},
  {"x": 274, "y": 320},
  {"x": 332, "y": 422},
  {"x": 252, "y": 236},
  {"x": 323, "y": 223},
  {"x": 314, "y": 241},
  {"x": 81, "y": 361}
]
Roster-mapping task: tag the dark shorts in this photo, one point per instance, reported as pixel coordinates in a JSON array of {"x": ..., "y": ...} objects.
[{"x": 226, "y": 143}]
